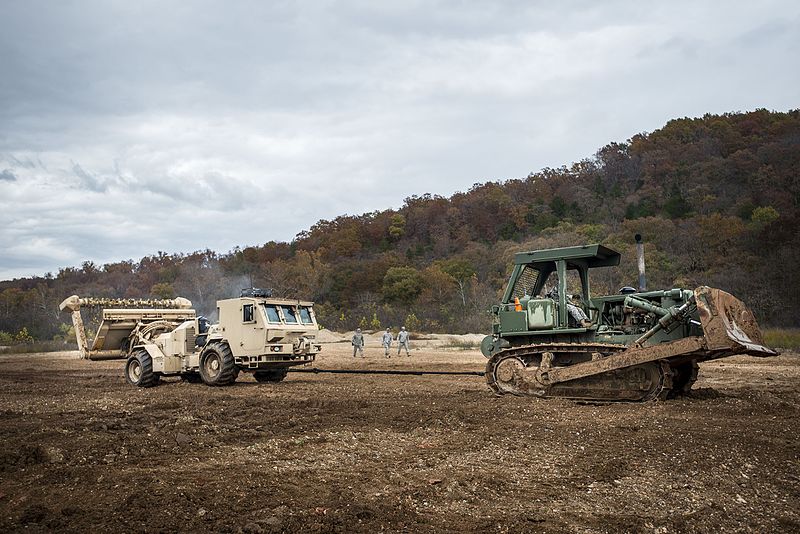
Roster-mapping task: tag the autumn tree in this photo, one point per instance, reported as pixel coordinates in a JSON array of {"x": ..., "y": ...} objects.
[
  {"x": 402, "y": 285},
  {"x": 460, "y": 271}
]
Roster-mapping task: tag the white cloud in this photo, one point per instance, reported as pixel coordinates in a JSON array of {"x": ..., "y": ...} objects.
[{"x": 129, "y": 130}]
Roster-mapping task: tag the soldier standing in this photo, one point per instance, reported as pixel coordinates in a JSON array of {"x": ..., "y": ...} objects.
[
  {"x": 402, "y": 341},
  {"x": 386, "y": 341},
  {"x": 358, "y": 343}
]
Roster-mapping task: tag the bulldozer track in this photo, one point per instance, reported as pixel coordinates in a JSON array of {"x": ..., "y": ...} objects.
[{"x": 653, "y": 380}]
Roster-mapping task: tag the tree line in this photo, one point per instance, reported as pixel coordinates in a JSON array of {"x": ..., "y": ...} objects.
[{"x": 716, "y": 198}]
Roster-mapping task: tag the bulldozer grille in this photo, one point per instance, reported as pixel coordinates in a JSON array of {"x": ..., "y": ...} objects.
[{"x": 527, "y": 279}]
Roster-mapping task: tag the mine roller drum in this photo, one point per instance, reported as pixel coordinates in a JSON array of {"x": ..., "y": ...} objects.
[{"x": 217, "y": 366}]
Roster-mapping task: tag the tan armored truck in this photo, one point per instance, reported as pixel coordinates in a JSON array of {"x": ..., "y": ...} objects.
[{"x": 255, "y": 333}]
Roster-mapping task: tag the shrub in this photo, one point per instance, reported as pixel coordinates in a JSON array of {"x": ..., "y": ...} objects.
[{"x": 782, "y": 338}]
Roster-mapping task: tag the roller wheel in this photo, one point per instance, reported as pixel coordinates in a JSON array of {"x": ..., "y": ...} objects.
[
  {"x": 139, "y": 370},
  {"x": 217, "y": 366},
  {"x": 500, "y": 374},
  {"x": 270, "y": 376}
]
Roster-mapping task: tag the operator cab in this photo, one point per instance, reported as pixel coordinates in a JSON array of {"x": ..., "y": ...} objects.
[{"x": 546, "y": 271}]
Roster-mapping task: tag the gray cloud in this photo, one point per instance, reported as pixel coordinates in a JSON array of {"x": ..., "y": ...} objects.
[
  {"x": 90, "y": 181},
  {"x": 137, "y": 127},
  {"x": 7, "y": 175}
]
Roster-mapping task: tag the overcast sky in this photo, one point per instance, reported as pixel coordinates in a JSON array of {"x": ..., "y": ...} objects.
[{"x": 132, "y": 127}]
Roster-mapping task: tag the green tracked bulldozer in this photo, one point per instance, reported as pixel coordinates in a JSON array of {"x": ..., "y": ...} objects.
[{"x": 633, "y": 346}]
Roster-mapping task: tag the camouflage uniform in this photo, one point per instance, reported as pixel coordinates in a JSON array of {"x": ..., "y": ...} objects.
[
  {"x": 386, "y": 341},
  {"x": 577, "y": 313},
  {"x": 402, "y": 341},
  {"x": 358, "y": 343}
]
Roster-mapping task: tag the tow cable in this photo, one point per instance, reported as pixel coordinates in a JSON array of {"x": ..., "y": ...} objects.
[{"x": 316, "y": 370}]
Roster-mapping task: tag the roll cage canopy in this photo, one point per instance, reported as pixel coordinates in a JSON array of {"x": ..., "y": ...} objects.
[
  {"x": 588, "y": 255},
  {"x": 531, "y": 270}
]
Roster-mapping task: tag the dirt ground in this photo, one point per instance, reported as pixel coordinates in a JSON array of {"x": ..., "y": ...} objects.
[{"x": 83, "y": 451}]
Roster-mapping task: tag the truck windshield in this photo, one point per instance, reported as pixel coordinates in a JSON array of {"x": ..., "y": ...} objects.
[
  {"x": 305, "y": 314},
  {"x": 272, "y": 313},
  {"x": 289, "y": 314}
]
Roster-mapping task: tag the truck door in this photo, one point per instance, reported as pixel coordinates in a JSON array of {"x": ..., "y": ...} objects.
[{"x": 252, "y": 328}]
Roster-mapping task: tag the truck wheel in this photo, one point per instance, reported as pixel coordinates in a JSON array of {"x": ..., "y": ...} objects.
[
  {"x": 139, "y": 370},
  {"x": 270, "y": 376},
  {"x": 217, "y": 366}
]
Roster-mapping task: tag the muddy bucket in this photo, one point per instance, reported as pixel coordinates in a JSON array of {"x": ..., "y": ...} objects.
[{"x": 728, "y": 325}]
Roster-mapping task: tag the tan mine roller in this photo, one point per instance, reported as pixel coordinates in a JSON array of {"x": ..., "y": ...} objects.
[{"x": 256, "y": 333}]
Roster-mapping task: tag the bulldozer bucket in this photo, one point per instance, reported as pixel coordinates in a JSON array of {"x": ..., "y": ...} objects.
[{"x": 729, "y": 326}]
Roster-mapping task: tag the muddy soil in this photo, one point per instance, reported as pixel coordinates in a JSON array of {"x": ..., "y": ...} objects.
[{"x": 83, "y": 451}]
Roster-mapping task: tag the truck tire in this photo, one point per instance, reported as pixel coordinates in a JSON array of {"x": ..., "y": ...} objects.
[
  {"x": 139, "y": 370},
  {"x": 275, "y": 375},
  {"x": 217, "y": 366}
]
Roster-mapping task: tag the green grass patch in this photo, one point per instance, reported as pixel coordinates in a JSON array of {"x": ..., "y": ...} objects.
[
  {"x": 459, "y": 344},
  {"x": 782, "y": 338}
]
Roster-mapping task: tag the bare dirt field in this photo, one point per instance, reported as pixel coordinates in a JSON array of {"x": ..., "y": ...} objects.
[{"x": 83, "y": 451}]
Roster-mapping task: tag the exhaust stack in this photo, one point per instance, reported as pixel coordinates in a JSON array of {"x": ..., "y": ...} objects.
[{"x": 640, "y": 262}]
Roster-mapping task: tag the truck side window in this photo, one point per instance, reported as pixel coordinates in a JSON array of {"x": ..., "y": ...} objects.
[
  {"x": 272, "y": 313},
  {"x": 289, "y": 314},
  {"x": 247, "y": 313}
]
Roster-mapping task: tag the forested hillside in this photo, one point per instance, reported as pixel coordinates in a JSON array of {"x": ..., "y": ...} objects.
[{"x": 716, "y": 199}]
